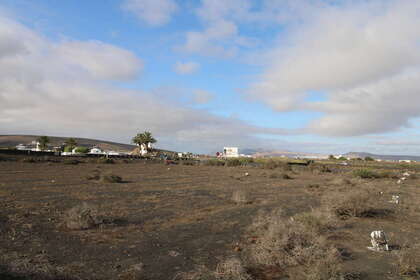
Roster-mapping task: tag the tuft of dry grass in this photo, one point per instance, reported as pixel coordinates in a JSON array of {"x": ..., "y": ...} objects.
[
  {"x": 71, "y": 161},
  {"x": 200, "y": 273},
  {"x": 82, "y": 217},
  {"x": 229, "y": 269},
  {"x": 295, "y": 242},
  {"x": 358, "y": 203},
  {"x": 111, "y": 178},
  {"x": 105, "y": 160},
  {"x": 232, "y": 269},
  {"x": 408, "y": 262},
  {"x": 241, "y": 196},
  {"x": 94, "y": 175}
]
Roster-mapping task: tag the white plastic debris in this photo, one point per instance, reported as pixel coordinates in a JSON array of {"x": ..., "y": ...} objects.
[
  {"x": 379, "y": 241},
  {"x": 403, "y": 178},
  {"x": 395, "y": 199},
  {"x": 399, "y": 181},
  {"x": 246, "y": 174}
]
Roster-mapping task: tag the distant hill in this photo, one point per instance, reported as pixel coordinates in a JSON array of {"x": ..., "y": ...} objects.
[
  {"x": 382, "y": 157},
  {"x": 13, "y": 140},
  {"x": 289, "y": 154},
  {"x": 277, "y": 153}
]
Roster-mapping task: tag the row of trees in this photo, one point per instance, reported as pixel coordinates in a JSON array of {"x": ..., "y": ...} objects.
[
  {"x": 43, "y": 141},
  {"x": 141, "y": 138}
]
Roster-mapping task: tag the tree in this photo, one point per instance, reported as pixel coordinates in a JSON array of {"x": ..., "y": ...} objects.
[
  {"x": 331, "y": 157},
  {"x": 43, "y": 142},
  {"x": 71, "y": 143},
  {"x": 369, "y": 159},
  {"x": 144, "y": 138}
]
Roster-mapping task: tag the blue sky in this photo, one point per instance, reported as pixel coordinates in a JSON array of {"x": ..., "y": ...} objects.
[{"x": 277, "y": 74}]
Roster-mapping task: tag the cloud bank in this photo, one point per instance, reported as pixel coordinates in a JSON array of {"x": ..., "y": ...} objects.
[
  {"x": 364, "y": 55},
  {"x": 152, "y": 12},
  {"x": 66, "y": 88},
  {"x": 186, "y": 68}
]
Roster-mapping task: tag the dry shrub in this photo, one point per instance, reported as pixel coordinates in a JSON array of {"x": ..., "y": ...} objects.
[
  {"x": 354, "y": 204},
  {"x": 366, "y": 173},
  {"x": 105, "y": 160},
  {"x": 408, "y": 262},
  {"x": 71, "y": 161},
  {"x": 286, "y": 177},
  {"x": 29, "y": 160},
  {"x": 111, "y": 178},
  {"x": 232, "y": 269},
  {"x": 94, "y": 175},
  {"x": 229, "y": 269},
  {"x": 240, "y": 196},
  {"x": 295, "y": 242},
  {"x": 200, "y": 273},
  {"x": 80, "y": 217},
  {"x": 340, "y": 181}
]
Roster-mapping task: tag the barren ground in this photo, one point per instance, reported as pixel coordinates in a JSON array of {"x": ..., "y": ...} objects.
[{"x": 170, "y": 219}]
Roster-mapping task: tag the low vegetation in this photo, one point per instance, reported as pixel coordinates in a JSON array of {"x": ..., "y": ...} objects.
[
  {"x": 82, "y": 217},
  {"x": 357, "y": 203},
  {"x": 110, "y": 178},
  {"x": 299, "y": 241},
  {"x": 240, "y": 196},
  {"x": 105, "y": 160},
  {"x": 408, "y": 262},
  {"x": 56, "y": 218}
]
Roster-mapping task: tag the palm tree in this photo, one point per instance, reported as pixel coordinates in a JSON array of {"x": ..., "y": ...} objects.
[
  {"x": 43, "y": 142},
  {"x": 71, "y": 143},
  {"x": 145, "y": 138}
]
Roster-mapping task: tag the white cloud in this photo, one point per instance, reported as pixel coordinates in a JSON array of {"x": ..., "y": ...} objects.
[
  {"x": 363, "y": 55},
  {"x": 95, "y": 58},
  {"x": 220, "y": 36},
  {"x": 185, "y": 68},
  {"x": 202, "y": 96},
  {"x": 60, "y": 88},
  {"x": 153, "y": 12}
]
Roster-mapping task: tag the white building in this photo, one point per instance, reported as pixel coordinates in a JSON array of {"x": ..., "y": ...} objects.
[
  {"x": 22, "y": 147},
  {"x": 96, "y": 151},
  {"x": 231, "y": 152}
]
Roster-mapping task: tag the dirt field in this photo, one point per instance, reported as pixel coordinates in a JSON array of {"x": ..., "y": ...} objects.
[{"x": 161, "y": 221}]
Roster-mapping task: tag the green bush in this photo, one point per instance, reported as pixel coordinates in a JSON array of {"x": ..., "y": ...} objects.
[
  {"x": 82, "y": 150},
  {"x": 369, "y": 159},
  {"x": 68, "y": 149},
  {"x": 365, "y": 173},
  {"x": 214, "y": 162},
  {"x": 106, "y": 160},
  {"x": 233, "y": 162},
  {"x": 71, "y": 161}
]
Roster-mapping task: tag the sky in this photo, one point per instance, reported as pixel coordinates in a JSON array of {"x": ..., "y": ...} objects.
[{"x": 318, "y": 76}]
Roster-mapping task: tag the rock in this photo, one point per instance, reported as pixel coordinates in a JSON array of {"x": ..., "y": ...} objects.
[
  {"x": 379, "y": 241},
  {"x": 395, "y": 199}
]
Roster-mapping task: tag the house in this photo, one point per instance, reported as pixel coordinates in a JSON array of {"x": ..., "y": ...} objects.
[
  {"x": 231, "y": 152},
  {"x": 96, "y": 151},
  {"x": 113, "y": 153},
  {"x": 22, "y": 147}
]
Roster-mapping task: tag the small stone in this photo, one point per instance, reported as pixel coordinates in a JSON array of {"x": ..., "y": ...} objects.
[
  {"x": 173, "y": 253},
  {"x": 379, "y": 241}
]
